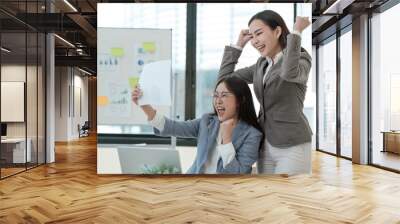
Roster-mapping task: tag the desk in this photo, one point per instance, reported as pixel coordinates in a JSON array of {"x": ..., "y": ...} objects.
[
  {"x": 15, "y": 148},
  {"x": 391, "y": 141}
]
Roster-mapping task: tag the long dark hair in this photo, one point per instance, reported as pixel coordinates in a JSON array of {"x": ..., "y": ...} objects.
[
  {"x": 273, "y": 20},
  {"x": 242, "y": 92}
]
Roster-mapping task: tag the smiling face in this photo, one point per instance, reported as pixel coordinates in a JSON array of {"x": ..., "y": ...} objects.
[
  {"x": 264, "y": 39},
  {"x": 225, "y": 103}
]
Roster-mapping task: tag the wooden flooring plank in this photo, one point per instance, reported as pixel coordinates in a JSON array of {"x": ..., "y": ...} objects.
[{"x": 70, "y": 191}]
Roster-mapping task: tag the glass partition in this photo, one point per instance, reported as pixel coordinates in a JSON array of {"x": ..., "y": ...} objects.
[
  {"x": 22, "y": 90},
  {"x": 13, "y": 110}
]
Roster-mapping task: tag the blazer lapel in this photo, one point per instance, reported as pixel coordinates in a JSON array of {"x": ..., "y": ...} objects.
[
  {"x": 271, "y": 74},
  {"x": 258, "y": 84},
  {"x": 238, "y": 132}
]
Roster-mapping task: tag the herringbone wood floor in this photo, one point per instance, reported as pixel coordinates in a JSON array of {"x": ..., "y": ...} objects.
[{"x": 70, "y": 191}]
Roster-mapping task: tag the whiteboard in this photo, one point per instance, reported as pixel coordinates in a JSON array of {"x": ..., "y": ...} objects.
[
  {"x": 12, "y": 101},
  {"x": 121, "y": 56}
]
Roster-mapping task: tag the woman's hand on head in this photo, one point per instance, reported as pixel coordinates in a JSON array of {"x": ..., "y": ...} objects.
[
  {"x": 301, "y": 23},
  {"x": 244, "y": 37},
  {"x": 227, "y": 130}
]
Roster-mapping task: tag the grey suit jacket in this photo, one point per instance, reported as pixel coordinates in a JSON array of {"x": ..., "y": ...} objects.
[
  {"x": 281, "y": 100},
  {"x": 245, "y": 139}
]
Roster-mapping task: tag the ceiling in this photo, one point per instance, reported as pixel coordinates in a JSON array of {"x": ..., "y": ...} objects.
[
  {"x": 76, "y": 20},
  {"x": 328, "y": 16},
  {"x": 76, "y": 24}
]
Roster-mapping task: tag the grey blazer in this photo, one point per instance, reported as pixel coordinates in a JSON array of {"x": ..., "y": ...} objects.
[
  {"x": 281, "y": 100},
  {"x": 245, "y": 139}
]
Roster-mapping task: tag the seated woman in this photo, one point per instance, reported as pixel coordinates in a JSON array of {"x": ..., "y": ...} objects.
[{"x": 228, "y": 139}]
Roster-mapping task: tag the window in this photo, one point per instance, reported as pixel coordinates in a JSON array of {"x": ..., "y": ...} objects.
[
  {"x": 346, "y": 94},
  {"x": 327, "y": 96},
  {"x": 385, "y": 87},
  {"x": 310, "y": 100},
  {"x": 219, "y": 25}
]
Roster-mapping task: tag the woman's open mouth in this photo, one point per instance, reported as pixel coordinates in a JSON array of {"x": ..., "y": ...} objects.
[
  {"x": 220, "y": 111},
  {"x": 261, "y": 48}
]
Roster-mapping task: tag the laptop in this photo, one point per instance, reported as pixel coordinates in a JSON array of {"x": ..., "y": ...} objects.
[{"x": 129, "y": 159}]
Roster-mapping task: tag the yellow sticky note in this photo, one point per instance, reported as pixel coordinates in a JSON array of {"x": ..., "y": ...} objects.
[
  {"x": 102, "y": 101},
  {"x": 149, "y": 47},
  {"x": 133, "y": 81},
  {"x": 117, "y": 51}
]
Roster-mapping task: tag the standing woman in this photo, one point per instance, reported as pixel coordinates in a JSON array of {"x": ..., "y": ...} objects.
[{"x": 280, "y": 82}]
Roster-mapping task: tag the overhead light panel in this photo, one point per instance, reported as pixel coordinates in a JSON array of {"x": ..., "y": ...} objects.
[
  {"x": 80, "y": 51},
  {"x": 338, "y": 6},
  {"x": 65, "y": 41},
  {"x": 84, "y": 71},
  {"x": 70, "y": 5},
  {"x": 5, "y": 50}
]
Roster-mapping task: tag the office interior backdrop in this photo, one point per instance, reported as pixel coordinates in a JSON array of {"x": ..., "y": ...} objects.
[
  {"x": 333, "y": 60},
  {"x": 330, "y": 107}
]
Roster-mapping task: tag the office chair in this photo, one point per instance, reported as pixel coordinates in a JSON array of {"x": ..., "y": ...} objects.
[{"x": 84, "y": 130}]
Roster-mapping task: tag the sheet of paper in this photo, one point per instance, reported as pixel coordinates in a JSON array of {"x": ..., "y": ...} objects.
[{"x": 155, "y": 82}]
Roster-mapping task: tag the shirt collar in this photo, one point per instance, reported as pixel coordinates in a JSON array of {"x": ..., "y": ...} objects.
[{"x": 274, "y": 60}]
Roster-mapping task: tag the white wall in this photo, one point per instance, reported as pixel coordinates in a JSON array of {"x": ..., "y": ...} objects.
[
  {"x": 17, "y": 73},
  {"x": 70, "y": 83},
  {"x": 80, "y": 89},
  {"x": 61, "y": 103},
  {"x": 33, "y": 126}
]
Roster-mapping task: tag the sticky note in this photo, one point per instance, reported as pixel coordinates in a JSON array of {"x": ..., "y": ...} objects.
[
  {"x": 117, "y": 51},
  {"x": 149, "y": 47},
  {"x": 102, "y": 101},
  {"x": 133, "y": 81}
]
